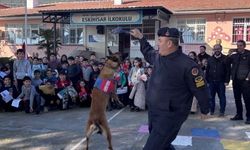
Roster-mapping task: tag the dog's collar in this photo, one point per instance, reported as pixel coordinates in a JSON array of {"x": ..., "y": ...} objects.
[{"x": 105, "y": 85}]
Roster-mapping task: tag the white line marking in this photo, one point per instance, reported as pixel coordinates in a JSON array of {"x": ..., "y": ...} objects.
[{"x": 84, "y": 139}]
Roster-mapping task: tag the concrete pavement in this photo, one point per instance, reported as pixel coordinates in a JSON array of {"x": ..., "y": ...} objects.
[{"x": 64, "y": 130}]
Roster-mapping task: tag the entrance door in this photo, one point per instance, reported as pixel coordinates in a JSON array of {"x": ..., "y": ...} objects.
[
  {"x": 118, "y": 42},
  {"x": 124, "y": 44}
]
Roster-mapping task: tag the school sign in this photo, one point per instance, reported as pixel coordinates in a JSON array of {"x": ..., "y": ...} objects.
[{"x": 107, "y": 18}]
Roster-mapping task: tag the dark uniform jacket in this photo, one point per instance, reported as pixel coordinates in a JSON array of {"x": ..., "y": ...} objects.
[
  {"x": 239, "y": 65},
  {"x": 174, "y": 81},
  {"x": 217, "y": 69},
  {"x": 204, "y": 56}
]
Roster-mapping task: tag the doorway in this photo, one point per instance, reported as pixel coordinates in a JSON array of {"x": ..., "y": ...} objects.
[
  {"x": 119, "y": 42},
  {"x": 124, "y": 45}
]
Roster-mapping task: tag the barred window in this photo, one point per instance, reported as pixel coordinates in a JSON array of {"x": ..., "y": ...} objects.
[
  {"x": 72, "y": 34},
  {"x": 192, "y": 30},
  {"x": 241, "y": 29}
]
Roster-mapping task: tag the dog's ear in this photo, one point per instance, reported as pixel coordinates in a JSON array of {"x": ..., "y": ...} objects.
[
  {"x": 115, "y": 58},
  {"x": 112, "y": 64}
]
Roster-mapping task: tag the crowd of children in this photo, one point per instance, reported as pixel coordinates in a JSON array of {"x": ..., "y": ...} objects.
[{"x": 43, "y": 84}]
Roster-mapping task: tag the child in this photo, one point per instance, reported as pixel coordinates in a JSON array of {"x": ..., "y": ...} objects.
[
  {"x": 61, "y": 90},
  {"x": 21, "y": 68},
  {"x": 64, "y": 67},
  {"x": 121, "y": 80},
  {"x": 82, "y": 93},
  {"x": 48, "y": 95},
  {"x": 7, "y": 85},
  {"x": 49, "y": 76},
  {"x": 36, "y": 81},
  {"x": 36, "y": 66},
  {"x": 29, "y": 95},
  {"x": 73, "y": 71},
  {"x": 94, "y": 75},
  {"x": 137, "y": 94},
  {"x": 100, "y": 66}
]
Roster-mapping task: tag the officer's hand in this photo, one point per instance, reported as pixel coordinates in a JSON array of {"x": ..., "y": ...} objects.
[
  {"x": 204, "y": 116},
  {"x": 226, "y": 84},
  {"x": 136, "y": 33}
]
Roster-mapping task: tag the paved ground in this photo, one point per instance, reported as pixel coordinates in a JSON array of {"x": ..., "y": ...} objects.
[{"x": 63, "y": 130}]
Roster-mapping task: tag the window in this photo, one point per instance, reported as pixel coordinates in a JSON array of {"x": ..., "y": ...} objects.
[
  {"x": 192, "y": 30},
  {"x": 241, "y": 29},
  {"x": 147, "y": 28},
  {"x": 15, "y": 34},
  {"x": 72, "y": 34}
]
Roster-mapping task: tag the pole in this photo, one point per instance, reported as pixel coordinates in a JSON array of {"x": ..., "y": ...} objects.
[{"x": 25, "y": 27}]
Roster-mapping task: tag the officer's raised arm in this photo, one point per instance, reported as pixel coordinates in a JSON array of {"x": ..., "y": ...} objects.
[
  {"x": 198, "y": 87},
  {"x": 147, "y": 50}
]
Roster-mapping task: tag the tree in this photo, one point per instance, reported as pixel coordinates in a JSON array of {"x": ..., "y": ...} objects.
[{"x": 47, "y": 42}]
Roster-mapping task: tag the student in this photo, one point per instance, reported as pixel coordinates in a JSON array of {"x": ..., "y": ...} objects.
[
  {"x": 61, "y": 85},
  {"x": 36, "y": 81},
  {"x": 137, "y": 94},
  {"x": 48, "y": 96},
  {"x": 36, "y": 66},
  {"x": 50, "y": 76},
  {"x": 7, "y": 85},
  {"x": 21, "y": 68},
  {"x": 29, "y": 96},
  {"x": 94, "y": 75},
  {"x": 73, "y": 71}
]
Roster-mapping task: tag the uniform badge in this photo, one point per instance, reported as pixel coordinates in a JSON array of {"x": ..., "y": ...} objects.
[
  {"x": 195, "y": 71},
  {"x": 199, "y": 81}
]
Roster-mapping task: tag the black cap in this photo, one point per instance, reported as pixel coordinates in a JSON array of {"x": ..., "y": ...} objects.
[{"x": 168, "y": 32}]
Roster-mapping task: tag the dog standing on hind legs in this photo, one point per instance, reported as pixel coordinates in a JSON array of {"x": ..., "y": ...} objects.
[{"x": 104, "y": 88}]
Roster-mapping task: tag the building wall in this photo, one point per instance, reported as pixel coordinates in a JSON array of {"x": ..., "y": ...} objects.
[{"x": 218, "y": 26}]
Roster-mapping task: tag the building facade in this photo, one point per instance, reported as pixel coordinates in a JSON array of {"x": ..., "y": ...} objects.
[{"x": 90, "y": 24}]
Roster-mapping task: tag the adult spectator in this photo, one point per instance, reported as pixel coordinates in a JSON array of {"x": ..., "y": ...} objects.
[
  {"x": 203, "y": 55},
  {"x": 216, "y": 75},
  {"x": 239, "y": 65}
]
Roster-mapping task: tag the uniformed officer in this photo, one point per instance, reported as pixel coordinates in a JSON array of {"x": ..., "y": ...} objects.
[
  {"x": 175, "y": 80},
  {"x": 239, "y": 65}
]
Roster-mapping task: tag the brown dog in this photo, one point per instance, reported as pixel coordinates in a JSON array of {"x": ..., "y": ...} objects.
[{"x": 104, "y": 89}]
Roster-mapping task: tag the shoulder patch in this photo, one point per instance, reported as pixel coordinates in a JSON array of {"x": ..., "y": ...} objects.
[
  {"x": 195, "y": 71},
  {"x": 199, "y": 81}
]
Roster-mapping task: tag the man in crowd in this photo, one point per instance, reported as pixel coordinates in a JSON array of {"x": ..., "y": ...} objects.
[
  {"x": 216, "y": 75},
  {"x": 203, "y": 55},
  {"x": 239, "y": 64}
]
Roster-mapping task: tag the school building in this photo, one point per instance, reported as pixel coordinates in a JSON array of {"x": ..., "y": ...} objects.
[{"x": 88, "y": 25}]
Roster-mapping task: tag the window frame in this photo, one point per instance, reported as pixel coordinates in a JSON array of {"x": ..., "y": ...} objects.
[
  {"x": 16, "y": 27},
  {"x": 76, "y": 38},
  {"x": 195, "y": 30},
  {"x": 246, "y": 37}
]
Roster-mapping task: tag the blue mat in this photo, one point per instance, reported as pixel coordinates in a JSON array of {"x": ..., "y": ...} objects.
[{"x": 205, "y": 133}]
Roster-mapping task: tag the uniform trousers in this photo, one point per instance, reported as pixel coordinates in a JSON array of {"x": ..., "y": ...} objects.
[
  {"x": 242, "y": 88},
  {"x": 163, "y": 129}
]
